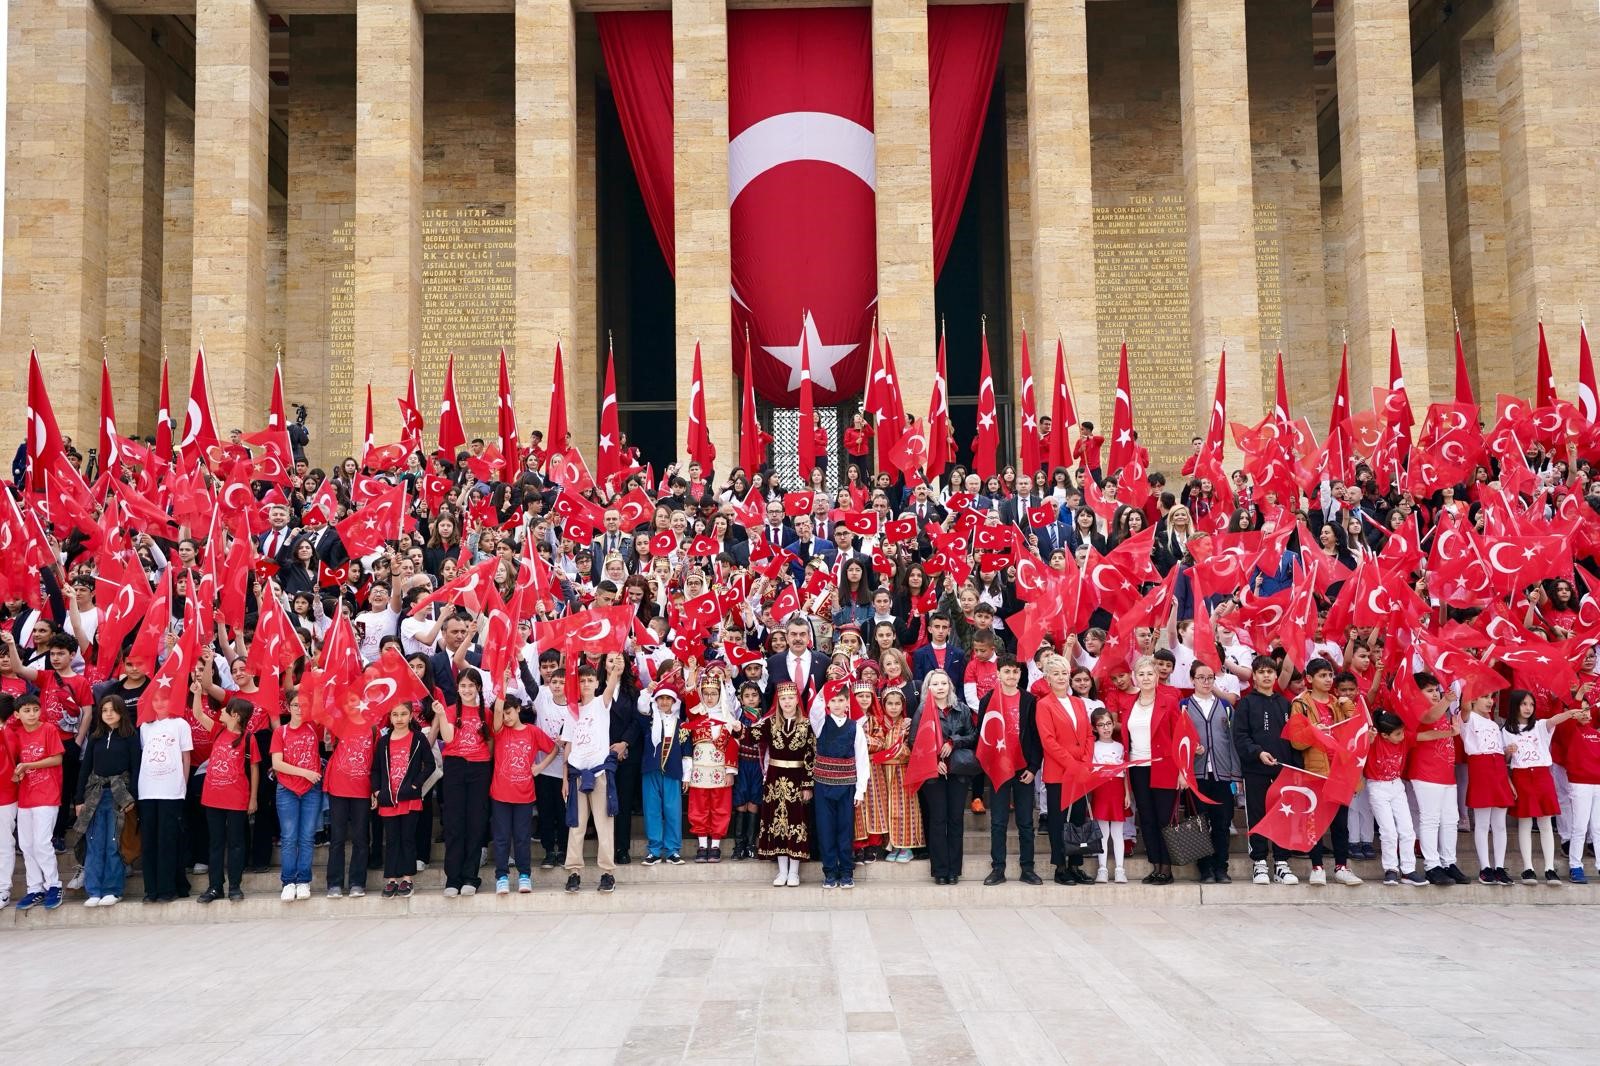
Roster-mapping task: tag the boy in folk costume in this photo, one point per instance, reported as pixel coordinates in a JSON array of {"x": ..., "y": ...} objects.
[
  {"x": 841, "y": 771},
  {"x": 711, "y": 766},
  {"x": 661, "y": 775}
]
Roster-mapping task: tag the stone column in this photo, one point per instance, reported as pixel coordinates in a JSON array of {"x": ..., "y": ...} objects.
[
  {"x": 700, "y": 189},
  {"x": 1378, "y": 170},
  {"x": 1019, "y": 221},
  {"x": 904, "y": 193},
  {"x": 700, "y": 225},
  {"x": 230, "y": 209},
  {"x": 1062, "y": 202},
  {"x": 1219, "y": 197},
  {"x": 547, "y": 212},
  {"x": 1475, "y": 214},
  {"x": 1434, "y": 229},
  {"x": 133, "y": 246},
  {"x": 177, "y": 242},
  {"x": 1548, "y": 70},
  {"x": 58, "y": 103},
  {"x": 388, "y": 237}
]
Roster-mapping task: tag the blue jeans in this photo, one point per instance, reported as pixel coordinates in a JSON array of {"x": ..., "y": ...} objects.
[
  {"x": 104, "y": 873},
  {"x": 298, "y": 817},
  {"x": 663, "y": 815},
  {"x": 835, "y": 806}
]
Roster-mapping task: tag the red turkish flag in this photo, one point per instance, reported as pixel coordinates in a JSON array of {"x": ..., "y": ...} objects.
[
  {"x": 924, "y": 762},
  {"x": 939, "y": 445},
  {"x": 1063, "y": 413},
  {"x": 900, "y": 530},
  {"x": 987, "y": 440},
  {"x": 785, "y": 604},
  {"x": 999, "y": 744},
  {"x": 801, "y": 163},
  {"x": 199, "y": 428},
  {"x": 701, "y": 450},
  {"x": 169, "y": 685},
  {"x": 738, "y": 655},
  {"x": 383, "y": 519},
  {"x": 164, "y": 418},
  {"x": 1296, "y": 813},
  {"x": 410, "y": 416},
  {"x": 452, "y": 434},
  {"x": 1032, "y": 454},
  {"x": 635, "y": 509},
  {"x": 909, "y": 452},
  {"x": 555, "y": 437},
  {"x": 700, "y": 613},
  {"x": 609, "y": 462},
  {"x": 506, "y": 424}
]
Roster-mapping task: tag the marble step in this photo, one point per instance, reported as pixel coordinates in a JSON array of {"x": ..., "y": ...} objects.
[{"x": 868, "y": 894}]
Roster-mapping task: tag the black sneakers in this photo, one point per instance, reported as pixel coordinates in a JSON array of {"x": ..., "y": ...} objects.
[
  {"x": 1454, "y": 873},
  {"x": 574, "y": 882},
  {"x": 608, "y": 883}
]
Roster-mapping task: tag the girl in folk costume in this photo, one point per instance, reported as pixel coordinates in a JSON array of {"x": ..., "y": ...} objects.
[
  {"x": 840, "y": 773},
  {"x": 1489, "y": 791},
  {"x": 785, "y": 737},
  {"x": 1527, "y": 739},
  {"x": 747, "y": 785},
  {"x": 1111, "y": 802},
  {"x": 863, "y": 707},
  {"x": 713, "y": 764},
  {"x": 402, "y": 763},
  {"x": 890, "y": 810}
]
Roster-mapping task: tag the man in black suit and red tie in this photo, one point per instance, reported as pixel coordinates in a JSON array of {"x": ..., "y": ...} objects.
[{"x": 807, "y": 669}]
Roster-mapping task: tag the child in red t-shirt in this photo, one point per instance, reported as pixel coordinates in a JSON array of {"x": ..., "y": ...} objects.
[
  {"x": 1431, "y": 769},
  {"x": 402, "y": 763},
  {"x": 297, "y": 762},
  {"x": 229, "y": 793},
  {"x": 1386, "y": 793},
  {"x": 36, "y": 752},
  {"x": 518, "y": 748}
]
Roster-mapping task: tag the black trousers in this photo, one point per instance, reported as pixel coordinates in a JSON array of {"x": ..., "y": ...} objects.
[
  {"x": 1219, "y": 817},
  {"x": 552, "y": 814},
  {"x": 466, "y": 819},
  {"x": 161, "y": 847},
  {"x": 1055, "y": 819},
  {"x": 947, "y": 799},
  {"x": 71, "y": 757},
  {"x": 422, "y": 826},
  {"x": 197, "y": 846},
  {"x": 347, "y": 820},
  {"x": 400, "y": 846},
  {"x": 627, "y": 802},
  {"x": 1153, "y": 806},
  {"x": 226, "y": 833},
  {"x": 1012, "y": 794},
  {"x": 264, "y": 824},
  {"x": 1339, "y": 831},
  {"x": 1256, "y": 787}
]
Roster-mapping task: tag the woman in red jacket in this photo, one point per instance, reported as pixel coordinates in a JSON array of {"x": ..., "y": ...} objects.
[{"x": 1148, "y": 736}]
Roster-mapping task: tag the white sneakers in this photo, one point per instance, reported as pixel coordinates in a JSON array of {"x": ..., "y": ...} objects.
[
  {"x": 1121, "y": 876},
  {"x": 451, "y": 891},
  {"x": 1258, "y": 873},
  {"x": 302, "y": 891},
  {"x": 1285, "y": 876},
  {"x": 1318, "y": 876},
  {"x": 469, "y": 890},
  {"x": 1344, "y": 876},
  {"x": 110, "y": 901},
  {"x": 287, "y": 895},
  {"x": 92, "y": 901},
  {"x": 794, "y": 874},
  {"x": 1100, "y": 876},
  {"x": 783, "y": 872}
]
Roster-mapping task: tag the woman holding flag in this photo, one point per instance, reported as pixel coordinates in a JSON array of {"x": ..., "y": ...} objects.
[{"x": 942, "y": 764}]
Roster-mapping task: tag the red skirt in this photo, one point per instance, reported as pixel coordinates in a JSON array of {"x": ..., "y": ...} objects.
[
  {"x": 1488, "y": 782},
  {"x": 1108, "y": 801},
  {"x": 1536, "y": 793}
]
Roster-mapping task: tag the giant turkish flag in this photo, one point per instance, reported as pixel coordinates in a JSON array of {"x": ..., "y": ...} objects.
[{"x": 801, "y": 176}]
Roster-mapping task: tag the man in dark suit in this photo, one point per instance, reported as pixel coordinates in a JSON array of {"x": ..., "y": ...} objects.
[
  {"x": 806, "y": 668},
  {"x": 1050, "y": 537},
  {"x": 805, "y": 545},
  {"x": 776, "y": 531},
  {"x": 452, "y": 656},
  {"x": 940, "y": 653},
  {"x": 278, "y": 536},
  {"x": 844, "y": 550},
  {"x": 611, "y": 541},
  {"x": 924, "y": 506},
  {"x": 1014, "y": 511},
  {"x": 1012, "y": 706}
]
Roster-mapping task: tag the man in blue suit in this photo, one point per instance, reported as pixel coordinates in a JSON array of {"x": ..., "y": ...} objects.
[{"x": 940, "y": 653}]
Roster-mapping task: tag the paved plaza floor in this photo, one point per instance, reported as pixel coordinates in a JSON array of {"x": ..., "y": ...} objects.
[{"x": 1115, "y": 984}]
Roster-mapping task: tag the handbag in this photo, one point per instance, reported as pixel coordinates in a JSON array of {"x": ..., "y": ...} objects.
[
  {"x": 1188, "y": 838},
  {"x": 963, "y": 762},
  {"x": 130, "y": 844},
  {"x": 1079, "y": 841}
]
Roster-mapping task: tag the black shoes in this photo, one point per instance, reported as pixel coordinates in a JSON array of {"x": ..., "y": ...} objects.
[
  {"x": 390, "y": 889},
  {"x": 1062, "y": 877},
  {"x": 702, "y": 854},
  {"x": 1454, "y": 873},
  {"x": 574, "y": 882},
  {"x": 607, "y": 883},
  {"x": 1030, "y": 878},
  {"x": 716, "y": 853},
  {"x": 623, "y": 858},
  {"x": 1220, "y": 876},
  {"x": 1078, "y": 876},
  {"x": 996, "y": 877}
]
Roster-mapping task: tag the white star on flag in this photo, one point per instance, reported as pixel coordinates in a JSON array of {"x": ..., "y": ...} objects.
[{"x": 822, "y": 356}]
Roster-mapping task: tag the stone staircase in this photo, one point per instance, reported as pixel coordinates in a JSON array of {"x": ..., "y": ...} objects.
[{"x": 730, "y": 885}]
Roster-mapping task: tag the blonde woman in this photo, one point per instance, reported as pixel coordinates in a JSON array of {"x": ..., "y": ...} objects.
[{"x": 946, "y": 792}]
